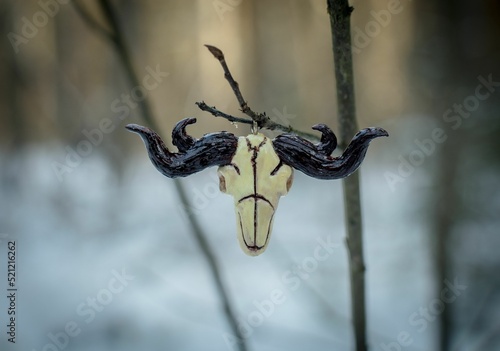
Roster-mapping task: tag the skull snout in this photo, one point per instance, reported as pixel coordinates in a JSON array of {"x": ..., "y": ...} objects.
[{"x": 255, "y": 219}]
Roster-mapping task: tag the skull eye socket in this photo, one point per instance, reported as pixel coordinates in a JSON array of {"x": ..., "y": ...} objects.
[{"x": 222, "y": 183}]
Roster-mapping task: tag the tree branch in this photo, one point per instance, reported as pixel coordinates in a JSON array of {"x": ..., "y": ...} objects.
[
  {"x": 340, "y": 14},
  {"x": 118, "y": 41},
  {"x": 91, "y": 22},
  {"x": 234, "y": 84},
  {"x": 263, "y": 121},
  {"x": 216, "y": 113}
]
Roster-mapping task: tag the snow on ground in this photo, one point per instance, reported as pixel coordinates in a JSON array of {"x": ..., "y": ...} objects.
[{"x": 76, "y": 236}]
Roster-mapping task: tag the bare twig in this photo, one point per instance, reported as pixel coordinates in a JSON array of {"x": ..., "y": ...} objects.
[
  {"x": 216, "y": 113},
  {"x": 340, "y": 16},
  {"x": 218, "y": 54},
  {"x": 205, "y": 247},
  {"x": 269, "y": 125},
  {"x": 119, "y": 43},
  {"x": 91, "y": 22},
  {"x": 263, "y": 121}
]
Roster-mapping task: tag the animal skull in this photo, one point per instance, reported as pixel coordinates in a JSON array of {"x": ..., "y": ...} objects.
[
  {"x": 257, "y": 171},
  {"x": 256, "y": 178}
]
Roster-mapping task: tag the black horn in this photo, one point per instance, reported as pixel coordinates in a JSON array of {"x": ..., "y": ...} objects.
[
  {"x": 315, "y": 160},
  {"x": 215, "y": 149}
]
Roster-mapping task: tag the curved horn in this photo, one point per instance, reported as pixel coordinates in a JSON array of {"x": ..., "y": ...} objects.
[
  {"x": 328, "y": 141},
  {"x": 180, "y": 139},
  {"x": 315, "y": 160},
  {"x": 215, "y": 149}
]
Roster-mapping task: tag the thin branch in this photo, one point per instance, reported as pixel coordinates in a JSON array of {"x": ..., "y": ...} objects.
[
  {"x": 219, "y": 55},
  {"x": 216, "y": 113},
  {"x": 91, "y": 22},
  {"x": 340, "y": 16},
  {"x": 118, "y": 41},
  {"x": 212, "y": 261},
  {"x": 124, "y": 55},
  {"x": 263, "y": 121},
  {"x": 270, "y": 125}
]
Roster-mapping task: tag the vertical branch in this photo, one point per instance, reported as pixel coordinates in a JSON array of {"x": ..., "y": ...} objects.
[
  {"x": 118, "y": 41},
  {"x": 447, "y": 205},
  {"x": 123, "y": 53},
  {"x": 340, "y": 17},
  {"x": 212, "y": 262}
]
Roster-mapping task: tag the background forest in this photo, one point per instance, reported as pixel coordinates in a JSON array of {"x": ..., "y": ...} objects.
[{"x": 106, "y": 256}]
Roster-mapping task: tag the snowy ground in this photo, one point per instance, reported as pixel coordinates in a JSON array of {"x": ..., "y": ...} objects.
[{"x": 74, "y": 237}]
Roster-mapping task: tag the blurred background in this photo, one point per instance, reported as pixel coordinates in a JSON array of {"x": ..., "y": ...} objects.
[{"x": 106, "y": 259}]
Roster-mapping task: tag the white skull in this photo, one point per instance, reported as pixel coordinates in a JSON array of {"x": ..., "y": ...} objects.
[{"x": 257, "y": 179}]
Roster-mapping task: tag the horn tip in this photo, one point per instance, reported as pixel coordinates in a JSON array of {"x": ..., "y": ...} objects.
[
  {"x": 382, "y": 132},
  {"x": 135, "y": 128},
  {"x": 320, "y": 127},
  {"x": 373, "y": 132},
  {"x": 132, "y": 127}
]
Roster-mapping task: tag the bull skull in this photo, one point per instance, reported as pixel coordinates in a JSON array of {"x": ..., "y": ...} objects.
[
  {"x": 255, "y": 170},
  {"x": 257, "y": 179}
]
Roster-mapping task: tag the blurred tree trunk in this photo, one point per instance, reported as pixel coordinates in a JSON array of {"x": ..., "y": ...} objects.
[
  {"x": 340, "y": 21},
  {"x": 65, "y": 106},
  {"x": 443, "y": 199},
  {"x": 444, "y": 77},
  {"x": 14, "y": 132},
  {"x": 445, "y": 212}
]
